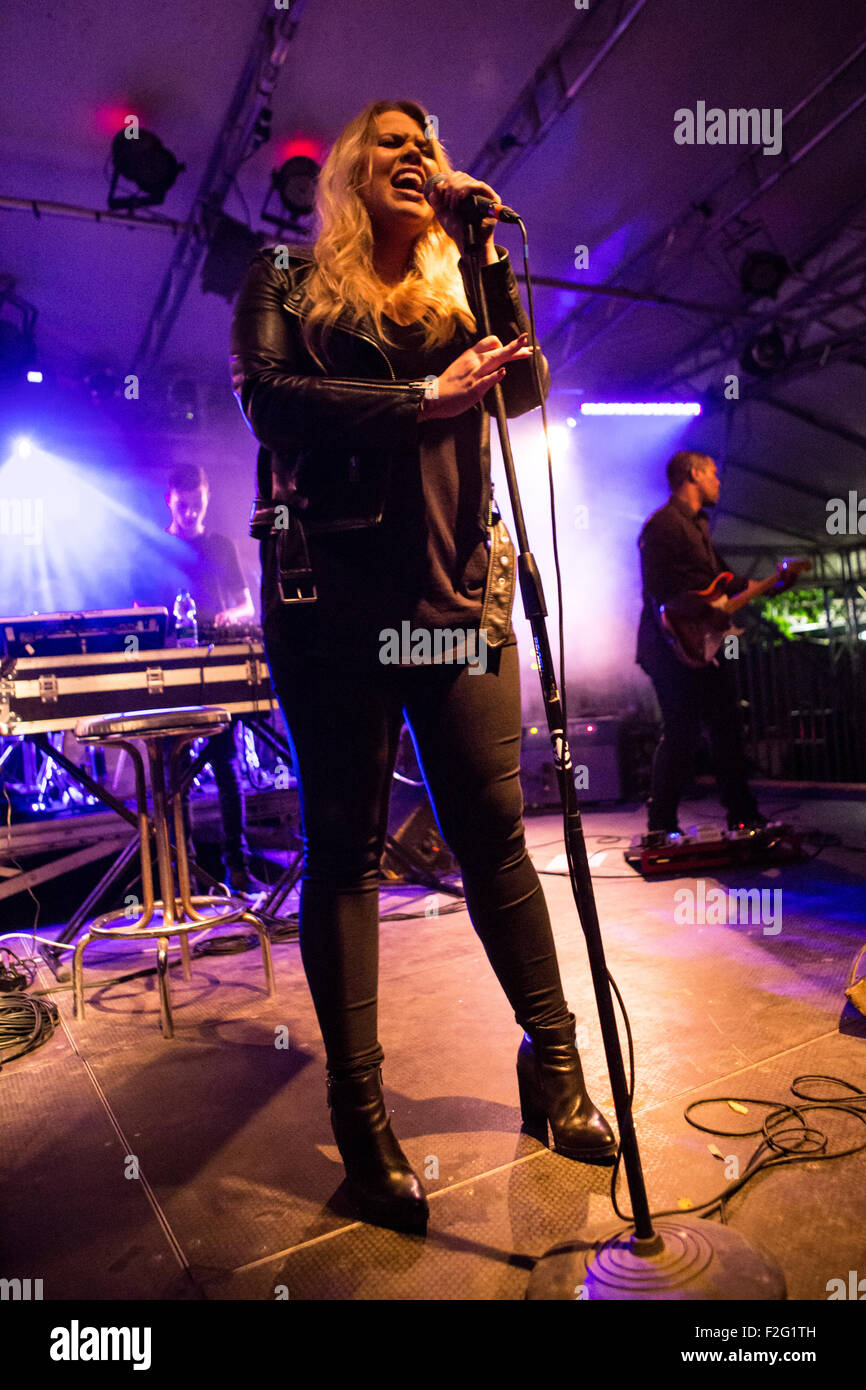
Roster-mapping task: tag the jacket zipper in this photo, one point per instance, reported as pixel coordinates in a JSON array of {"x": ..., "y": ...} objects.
[{"x": 356, "y": 332}]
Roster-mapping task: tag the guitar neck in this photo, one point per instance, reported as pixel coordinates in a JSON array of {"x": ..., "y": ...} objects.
[
  {"x": 740, "y": 600},
  {"x": 781, "y": 580}
]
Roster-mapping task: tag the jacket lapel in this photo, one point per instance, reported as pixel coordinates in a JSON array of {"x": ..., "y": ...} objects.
[{"x": 363, "y": 329}]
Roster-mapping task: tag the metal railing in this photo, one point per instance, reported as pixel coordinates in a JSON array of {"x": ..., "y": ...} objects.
[{"x": 804, "y": 705}]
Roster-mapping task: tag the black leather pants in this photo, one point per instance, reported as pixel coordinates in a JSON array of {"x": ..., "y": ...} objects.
[{"x": 344, "y": 728}]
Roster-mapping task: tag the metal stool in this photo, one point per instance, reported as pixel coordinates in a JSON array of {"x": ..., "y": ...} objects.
[{"x": 166, "y": 733}]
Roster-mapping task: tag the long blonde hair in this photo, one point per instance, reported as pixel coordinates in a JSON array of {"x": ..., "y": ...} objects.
[{"x": 344, "y": 279}]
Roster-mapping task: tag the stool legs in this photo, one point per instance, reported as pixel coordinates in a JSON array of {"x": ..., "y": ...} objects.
[
  {"x": 175, "y": 792},
  {"x": 78, "y": 976},
  {"x": 265, "y": 943},
  {"x": 165, "y": 1016},
  {"x": 143, "y": 833},
  {"x": 160, "y": 827},
  {"x": 176, "y": 903}
]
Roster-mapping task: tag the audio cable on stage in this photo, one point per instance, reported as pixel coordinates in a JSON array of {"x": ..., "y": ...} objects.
[
  {"x": 26, "y": 1022},
  {"x": 785, "y": 1137}
]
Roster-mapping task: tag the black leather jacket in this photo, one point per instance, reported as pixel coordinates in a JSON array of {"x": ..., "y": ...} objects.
[{"x": 327, "y": 441}]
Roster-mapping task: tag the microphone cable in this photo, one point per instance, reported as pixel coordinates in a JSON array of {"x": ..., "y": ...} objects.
[{"x": 562, "y": 686}]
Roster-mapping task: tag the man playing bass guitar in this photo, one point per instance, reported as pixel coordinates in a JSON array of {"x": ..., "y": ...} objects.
[{"x": 678, "y": 561}]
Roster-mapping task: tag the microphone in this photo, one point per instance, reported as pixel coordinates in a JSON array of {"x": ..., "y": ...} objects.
[{"x": 473, "y": 208}]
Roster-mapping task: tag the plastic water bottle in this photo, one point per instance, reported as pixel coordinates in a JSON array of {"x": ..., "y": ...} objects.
[{"x": 185, "y": 621}]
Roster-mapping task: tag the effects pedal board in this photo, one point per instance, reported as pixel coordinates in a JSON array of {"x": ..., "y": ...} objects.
[{"x": 703, "y": 847}]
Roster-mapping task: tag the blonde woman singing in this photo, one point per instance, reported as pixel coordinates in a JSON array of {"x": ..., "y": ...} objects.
[{"x": 360, "y": 371}]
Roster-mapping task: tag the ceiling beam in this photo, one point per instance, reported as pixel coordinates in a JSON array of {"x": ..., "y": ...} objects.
[
  {"x": 821, "y": 286},
  {"x": 820, "y": 422},
  {"x": 554, "y": 85},
  {"x": 764, "y": 525},
  {"x": 640, "y": 296},
  {"x": 842, "y": 343},
  {"x": 819, "y": 493},
  {"x": 234, "y": 143},
  {"x": 667, "y": 255}
]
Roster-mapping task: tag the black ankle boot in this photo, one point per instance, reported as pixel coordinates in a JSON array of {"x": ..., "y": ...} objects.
[
  {"x": 552, "y": 1091},
  {"x": 383, "y": 1188}
]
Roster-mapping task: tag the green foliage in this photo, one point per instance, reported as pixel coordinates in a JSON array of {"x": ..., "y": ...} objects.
[{"x": 794, "y": 606}]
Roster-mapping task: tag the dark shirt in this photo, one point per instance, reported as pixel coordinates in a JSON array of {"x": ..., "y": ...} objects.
[
  {"x": 446, "y": 528},
  {"x": 208, "y": 567},
  {"x": 677, "y": 556}
]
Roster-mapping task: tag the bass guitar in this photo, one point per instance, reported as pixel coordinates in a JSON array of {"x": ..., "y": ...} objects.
[{"x": 697, "y": 627}]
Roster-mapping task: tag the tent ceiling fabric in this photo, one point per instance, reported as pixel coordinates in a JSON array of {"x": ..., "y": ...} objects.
[{"x": 608, "y": 175}]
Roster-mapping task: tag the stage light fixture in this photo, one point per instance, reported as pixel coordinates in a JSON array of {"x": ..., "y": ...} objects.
[
  {"x": 145, "y": 162},
  {"x": 262, "y": 127},
  {"x": 764, "y": 354},
  {"x": 183, "y": 401},
  {"x": 231, "y": 247},
  {"x": 763, "y": 273},
  {"x": 102, "y": 384},
  {"x": 295, "y": 184},
  {"x": 34, "y": 376}
]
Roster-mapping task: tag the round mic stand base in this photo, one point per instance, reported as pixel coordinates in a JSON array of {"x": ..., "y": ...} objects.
[{"x": 687, "y": 1259}]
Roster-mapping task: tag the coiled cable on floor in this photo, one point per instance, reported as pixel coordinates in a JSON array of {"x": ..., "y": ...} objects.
[
  {"x": 785, "y": 1137},
  {"x": 25, "y": 1024}
]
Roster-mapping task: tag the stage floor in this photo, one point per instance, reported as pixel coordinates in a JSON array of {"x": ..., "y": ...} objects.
[{"x": 204, "y": 1167}]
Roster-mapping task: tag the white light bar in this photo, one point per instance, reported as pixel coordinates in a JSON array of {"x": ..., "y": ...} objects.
[{"x": 640, "y": 408}]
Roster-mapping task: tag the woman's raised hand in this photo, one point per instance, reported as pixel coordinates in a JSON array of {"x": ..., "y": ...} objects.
[{"x": 471, "y": 376}]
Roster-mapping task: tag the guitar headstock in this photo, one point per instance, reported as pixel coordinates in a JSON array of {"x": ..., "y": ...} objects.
[{"x": 789, "y": 570}]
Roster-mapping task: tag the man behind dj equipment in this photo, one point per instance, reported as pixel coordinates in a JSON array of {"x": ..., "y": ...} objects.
[
  {"x": 206, "y": 564},
  {"x": 678, "y": 557},
  {"x": 209, "y": 561}
]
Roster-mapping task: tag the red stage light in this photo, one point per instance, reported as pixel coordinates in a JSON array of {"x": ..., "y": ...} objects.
[
  {"x": 110, "y": 119},
  {"x": 308, "y": 145}
]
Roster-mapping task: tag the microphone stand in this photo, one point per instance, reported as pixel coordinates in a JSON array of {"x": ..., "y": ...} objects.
[{"x": 684, "y": 1258}]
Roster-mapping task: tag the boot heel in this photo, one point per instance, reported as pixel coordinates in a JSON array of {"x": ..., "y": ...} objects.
[
  {"x": 533, "y": 1114},
  {"x": 381, "y": 1185},
  {"x": 552, "y": 1092}
]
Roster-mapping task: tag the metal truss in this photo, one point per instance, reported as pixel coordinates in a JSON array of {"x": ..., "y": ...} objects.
[
  {"x": 717, "y": 222},
  {"x": 820, "y": 313},
  {"x": 553, "y": 87},
  {"x": 233, "y": 145}
]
